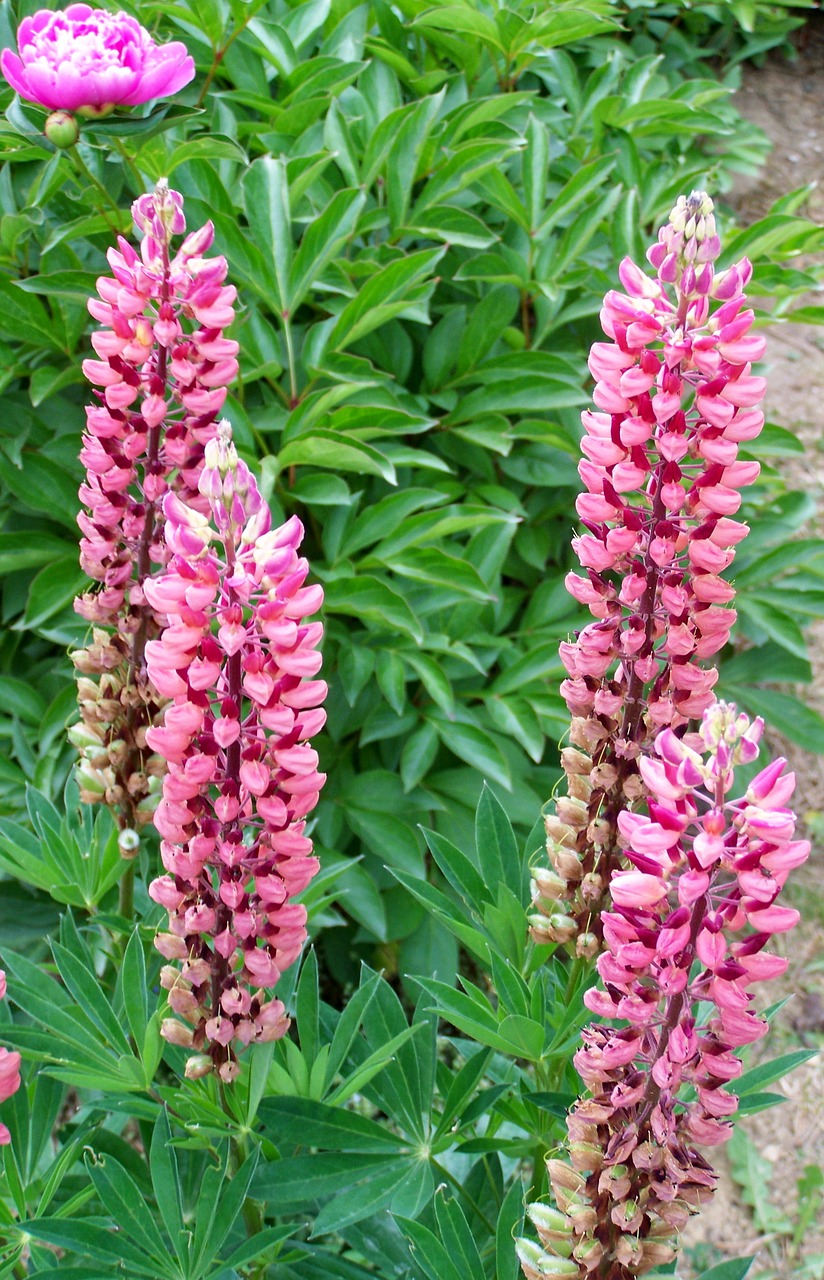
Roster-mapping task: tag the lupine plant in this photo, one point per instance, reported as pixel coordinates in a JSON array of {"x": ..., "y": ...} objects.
[
  {"x": 405, "y": 218},
  {"x": 659, "y": 896}
]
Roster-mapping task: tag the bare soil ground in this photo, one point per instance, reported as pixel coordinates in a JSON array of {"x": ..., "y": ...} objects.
[{"x": 786, "y": 99}]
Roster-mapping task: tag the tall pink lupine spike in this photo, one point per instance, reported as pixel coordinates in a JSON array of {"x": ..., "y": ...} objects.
[
  {"x": 163, "y": 367},
  {"x": 675, "y": 396},
  {"x": 687, "y": 930},
  {"x": 237, "y": 659}
]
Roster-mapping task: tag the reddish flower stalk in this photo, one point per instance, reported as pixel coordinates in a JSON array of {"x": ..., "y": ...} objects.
[
  {"x": 689, "y": 923},
  {"x": 675, "y": 396},
  {"x": 242, "y": 776},
  {"x": 163, "y": 367}
]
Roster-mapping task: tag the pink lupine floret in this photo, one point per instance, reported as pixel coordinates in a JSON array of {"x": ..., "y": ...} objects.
[
  {"x": 675, "y": 397},
  {"x": 89, "y": 60},
  {"x": 237, "y": 659},
  {"x": 687, "y": 932},
  {"x": 9, "y": 1072}
]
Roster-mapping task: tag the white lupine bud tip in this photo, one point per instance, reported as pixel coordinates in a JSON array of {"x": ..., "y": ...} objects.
[
  {"x": 220, "y": 453},
  {"x": 532, "y": 1255},
  {"x": 128, "y": 842}
]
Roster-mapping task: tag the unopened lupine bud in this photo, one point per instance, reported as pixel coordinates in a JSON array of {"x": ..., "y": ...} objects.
[
  {"x": 199, "y": 1065},
  {"x": 549, "y": 885},
  {"x": 536, "y": 1263},
  {"x": 128, "y": 843}
]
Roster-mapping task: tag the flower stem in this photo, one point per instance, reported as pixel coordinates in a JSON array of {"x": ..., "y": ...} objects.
[{"x": 85, "y": 172}]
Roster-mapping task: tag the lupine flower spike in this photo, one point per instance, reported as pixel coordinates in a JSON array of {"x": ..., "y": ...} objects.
[
  {"x": 237, "y": 660},
  {"x": 163, "y": 367},
  {"x": 675, "y": 396},
  {"x": 685, "y": 941}
]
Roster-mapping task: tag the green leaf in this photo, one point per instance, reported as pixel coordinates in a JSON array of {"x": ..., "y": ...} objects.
[
  {"x": 372, "y": 600},
  {"x": 430, "y": 1255},
  {"x": 510, "y": 1225},
  {"x": 307, "y": 1123},
  {"x": 535, "y": 162},
  {"x": 205, "y": 147},
  {"x": 31, "y": 551},
  {"x": 93, "y": 1242},
  {"x": 299, "y": 1182},
  {"x": 778, "y": 625},
  {"x": 322, "y": 239},
  {"x": 259, "y": 1243},
  {"x": 330, "y": 449},
  {"x": 85, "y": 986},
  {"x": 133, "y": 985},
  {"x": 23, "y": 318},
  {"x": 265, "y": 190},
  {"x": 497, "y": 850},
  {"x": 307, "y": 1006},
  {"x": 586, "y": 180},
  {"x": 766, "y": 1073},
  {"x": 418, "y": 755},
  {"x": 122, "y": 1198},
  {"x": 473, "y": 745},
  {"x": 165, "y": 1177},
  {"x": 52, "y": 589},
  {"x": 732, "y": 1269},
  {"x": 383, "y": 296},
  {"x": 463, "y": 19},
  {"x": 459, "y": 871}
]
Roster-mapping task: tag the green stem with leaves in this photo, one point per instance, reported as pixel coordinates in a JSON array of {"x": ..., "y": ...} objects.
[{"x": 85, "y": 172}]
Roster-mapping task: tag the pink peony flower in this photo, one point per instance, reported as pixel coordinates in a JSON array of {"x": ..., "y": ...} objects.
[{"x": 88, "y": 60}]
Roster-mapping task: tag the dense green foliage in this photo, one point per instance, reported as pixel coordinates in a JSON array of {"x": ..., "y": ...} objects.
[
  {"x": 422, "y": 206},
  {"x": 421, "y": 218}
]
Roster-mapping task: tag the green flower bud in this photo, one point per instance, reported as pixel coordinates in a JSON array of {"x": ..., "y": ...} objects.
[{"x": 61, "y": 130}]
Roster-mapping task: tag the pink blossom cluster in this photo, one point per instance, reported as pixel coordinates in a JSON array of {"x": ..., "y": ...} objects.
[
  {"x": 9, "y": 1071},
  {"x": 88, "y": 60},
  {"x": 236, "y": 659},
  {"x": 691, "y": 916},
  {"x": 163, "y": 367},
  {"x": 675, "y": 396}
]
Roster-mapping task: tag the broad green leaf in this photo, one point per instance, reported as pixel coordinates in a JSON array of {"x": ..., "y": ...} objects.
[
  {"x": 373, "y": 601},
  {"x": 497, "y": 849},
  {"x": 382, "y": 297},
  {"x": 330, "y": 449},
  {"x": 471, "y": 743},
  {"x": 321, "y": 241},
  {"x": 122, "y": 1198},
  {"x": 266, "y": 200},
  {"x": 303, "y": 1122},
  {"x": 165, "y": 1177},
  {"x": 732, "y": 1269}
]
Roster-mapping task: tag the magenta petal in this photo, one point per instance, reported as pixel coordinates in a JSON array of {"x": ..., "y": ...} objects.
[
  {"x": 161, "y": 80},
  {"x": 15, "y": 72}
]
